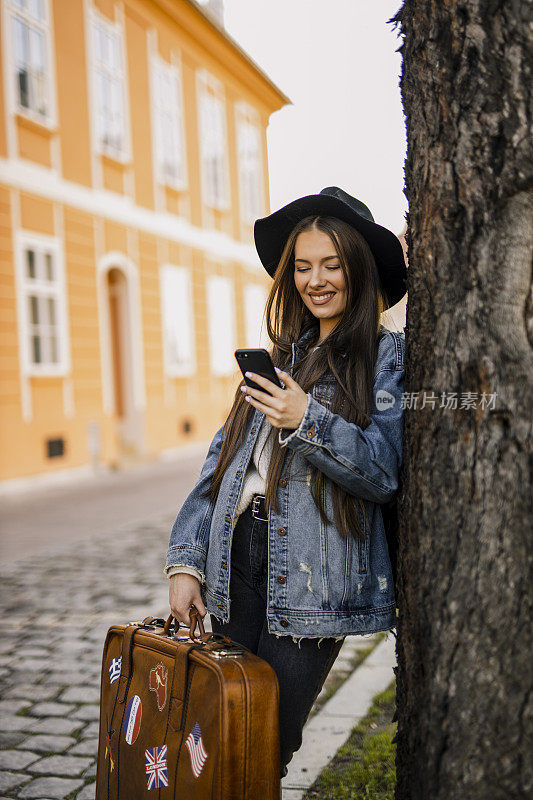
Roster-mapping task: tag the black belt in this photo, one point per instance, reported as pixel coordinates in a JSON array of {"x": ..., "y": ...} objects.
[{"x": 257, "y": 507}]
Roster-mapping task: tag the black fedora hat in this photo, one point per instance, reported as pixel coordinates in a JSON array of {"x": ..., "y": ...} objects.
[{"x": 271, "y": 234}]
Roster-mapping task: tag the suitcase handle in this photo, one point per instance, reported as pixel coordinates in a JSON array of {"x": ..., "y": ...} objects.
[{"x": 195, "y": 618}]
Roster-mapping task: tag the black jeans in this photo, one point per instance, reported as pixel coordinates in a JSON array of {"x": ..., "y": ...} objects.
[{"x": 301, "y": 668}]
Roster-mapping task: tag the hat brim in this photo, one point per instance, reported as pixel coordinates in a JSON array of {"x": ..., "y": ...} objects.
[{"x": 271, "y": 234}]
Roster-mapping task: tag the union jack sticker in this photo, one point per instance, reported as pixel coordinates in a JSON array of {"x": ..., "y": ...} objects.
[
  {"x": 196, "y": 749},
  {"x": 156, "y": 767}
]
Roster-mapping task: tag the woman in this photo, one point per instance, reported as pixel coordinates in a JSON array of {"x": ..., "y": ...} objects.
[{"x": 282, "y": 536}]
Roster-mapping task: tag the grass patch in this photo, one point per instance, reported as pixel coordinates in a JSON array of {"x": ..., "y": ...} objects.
[{"x": 364, "y": 767}]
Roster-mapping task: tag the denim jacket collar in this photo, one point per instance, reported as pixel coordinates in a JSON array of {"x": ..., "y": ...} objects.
[{"x": 299, "y": 346}]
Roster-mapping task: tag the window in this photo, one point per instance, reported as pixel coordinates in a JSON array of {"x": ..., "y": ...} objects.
[
  {"x": 177, "y": 316},
  {"x": 168, "y": 123},
  {"x": 109, "y": 87},
  {"x": 31, "y": 56},
  {"x": 250, "y": 163},
  {"x": 43, "y": 308},
  {"x": 213, "y": 148},
  {"x": 220, "y": 310},
  {"x": 254, "y": 309}
]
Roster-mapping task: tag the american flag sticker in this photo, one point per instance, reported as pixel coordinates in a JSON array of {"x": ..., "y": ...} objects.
[
  {"x": 156, "y": 767},
  {"x": 114, "y": 669},
  {"x": 196, "y": 749}
]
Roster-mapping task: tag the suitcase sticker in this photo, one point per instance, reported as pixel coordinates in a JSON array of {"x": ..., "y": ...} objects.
[
  {"x": 158, "y": 684},
  {"x": 108, "y": 735},
  {"x": 114, "y": 669},
  {"x": 132, "y": 719},
  {"x": 156, "y": 767},
  {"x": 196, "y": 749}
]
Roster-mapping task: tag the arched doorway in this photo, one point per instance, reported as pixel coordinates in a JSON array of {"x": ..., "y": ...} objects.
[{"x": 121, "y": 357}]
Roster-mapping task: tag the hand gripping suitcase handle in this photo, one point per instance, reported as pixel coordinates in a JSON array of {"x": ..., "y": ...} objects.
[
  {"x": 195, "y": 618},
  {"x": 204, "y": 638}
]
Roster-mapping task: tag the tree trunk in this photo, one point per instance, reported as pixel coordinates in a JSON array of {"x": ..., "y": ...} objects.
[{"x": 464, "y": 674}]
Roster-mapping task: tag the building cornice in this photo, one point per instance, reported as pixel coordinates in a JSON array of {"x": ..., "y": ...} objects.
[{"x": 215, "y": 38}]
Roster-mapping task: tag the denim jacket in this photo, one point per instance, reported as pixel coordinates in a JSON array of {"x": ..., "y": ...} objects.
[{"x": 319, "y": 584}]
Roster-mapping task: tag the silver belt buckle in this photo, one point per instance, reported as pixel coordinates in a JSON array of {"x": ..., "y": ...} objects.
[{"x": 255, "y": 507}]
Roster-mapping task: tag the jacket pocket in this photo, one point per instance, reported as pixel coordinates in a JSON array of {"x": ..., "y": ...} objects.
[
  {"x": 323, "y": 392},
  {"x": 356, "y": 560}
]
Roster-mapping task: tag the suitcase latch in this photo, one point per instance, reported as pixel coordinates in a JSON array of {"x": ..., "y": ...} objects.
[
  {"x": 184, "y": 638},
  {"x": 223, "y": 652}
]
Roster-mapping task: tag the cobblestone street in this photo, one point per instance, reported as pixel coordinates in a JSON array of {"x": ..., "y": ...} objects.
[{"x": 56, "y": 608}]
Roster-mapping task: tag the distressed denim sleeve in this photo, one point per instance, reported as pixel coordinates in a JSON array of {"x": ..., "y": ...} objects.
[
  {"x": 190, "y": 532},
  {"x": 365, "y": 462},
  {"x": 179, "y": 568}
]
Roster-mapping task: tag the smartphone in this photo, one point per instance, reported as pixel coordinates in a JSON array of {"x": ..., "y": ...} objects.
[{"x": 257, "y": 359}]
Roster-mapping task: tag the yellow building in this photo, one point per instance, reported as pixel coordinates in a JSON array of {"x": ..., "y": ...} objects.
[{"x": 133, "y": 163}]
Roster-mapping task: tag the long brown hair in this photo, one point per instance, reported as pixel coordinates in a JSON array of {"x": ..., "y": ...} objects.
[{"x": 356, "y": 335}]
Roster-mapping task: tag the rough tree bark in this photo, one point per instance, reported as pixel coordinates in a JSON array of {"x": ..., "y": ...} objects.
[{"x": 464, "y": 637}]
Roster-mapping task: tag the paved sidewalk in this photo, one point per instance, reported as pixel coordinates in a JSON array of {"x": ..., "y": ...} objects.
[{"x": 55, "y": 609}]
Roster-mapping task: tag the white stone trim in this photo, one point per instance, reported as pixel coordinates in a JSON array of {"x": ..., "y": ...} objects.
[
  {"x": 8, "y": 85},
  {"x": 158, "y": 190},
  {"x": 96, "y": 164},
  {"x": 42, "y": 182},
  {"x": 25, "y": 386}
]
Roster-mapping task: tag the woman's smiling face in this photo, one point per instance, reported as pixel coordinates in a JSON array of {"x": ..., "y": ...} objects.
[{"x": 319, "y": 278}]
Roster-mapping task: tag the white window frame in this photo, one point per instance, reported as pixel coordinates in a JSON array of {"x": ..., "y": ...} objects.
[
  {"x": 122, "y": 153},
  {"x": 255, "y": 297},
  {"x": 167, "y": 112},
  {"x": 247, "y": 124},
  {"x": 184, "y": 315},
  {"x": 26, "y": 287},
  {"x": 13, "y": 12},
  {"x": 207, "y": 86},
  {"x": 220, "y": 295}
]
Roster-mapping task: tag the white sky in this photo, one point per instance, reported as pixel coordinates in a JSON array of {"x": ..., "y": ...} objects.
[{"x": 336, "y": 61}]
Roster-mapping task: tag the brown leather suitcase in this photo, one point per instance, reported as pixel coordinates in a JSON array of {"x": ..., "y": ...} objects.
[{"x": 185, "y": 716}]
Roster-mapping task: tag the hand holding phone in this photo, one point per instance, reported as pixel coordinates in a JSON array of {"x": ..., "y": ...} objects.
[
  {"x": 258, "y": 360},
  {"x": 282, "y": 411}
]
